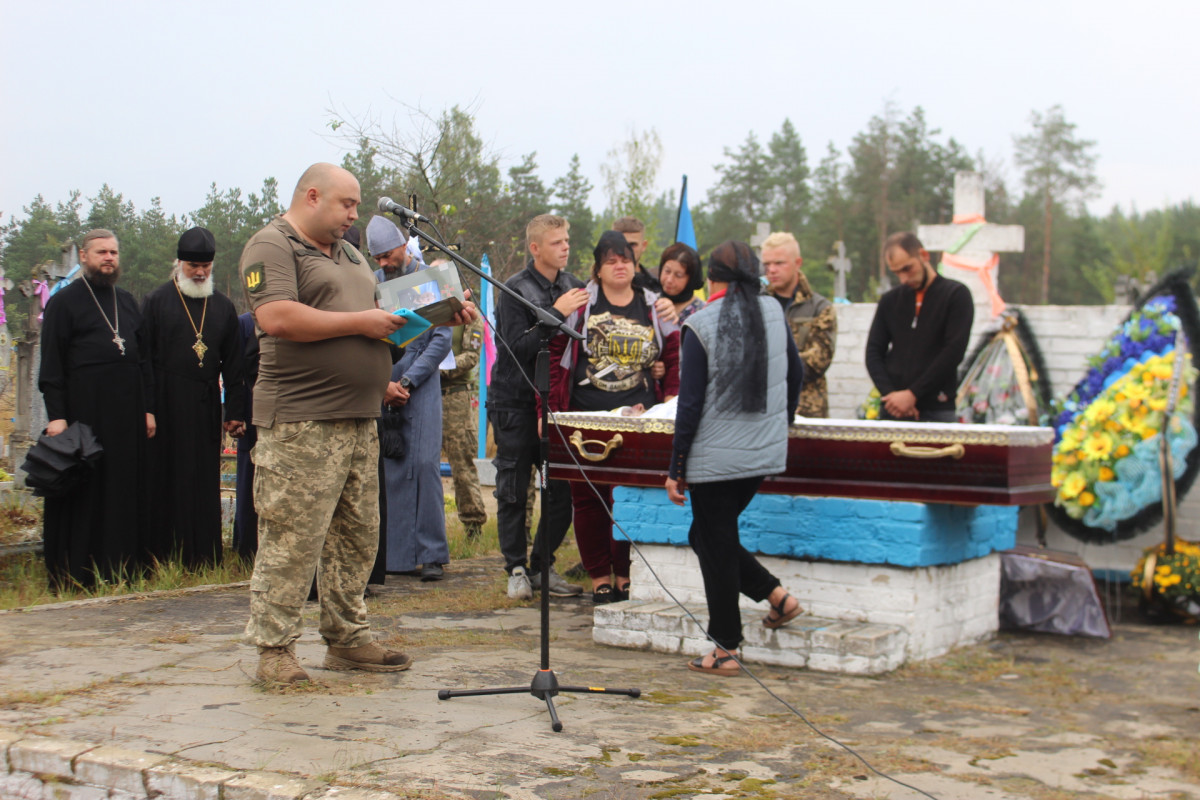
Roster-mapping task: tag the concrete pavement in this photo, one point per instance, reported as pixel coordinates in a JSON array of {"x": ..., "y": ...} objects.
[{"x": 165, "y": 676}]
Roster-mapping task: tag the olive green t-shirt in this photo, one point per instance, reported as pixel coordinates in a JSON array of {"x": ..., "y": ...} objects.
[{"x": 340, "y": 378}]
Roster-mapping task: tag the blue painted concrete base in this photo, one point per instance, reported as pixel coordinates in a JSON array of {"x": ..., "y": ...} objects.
[{"x": 866, "y": 531}]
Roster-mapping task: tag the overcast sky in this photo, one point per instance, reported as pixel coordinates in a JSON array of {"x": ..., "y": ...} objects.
[{"x": 162, "y": 99}]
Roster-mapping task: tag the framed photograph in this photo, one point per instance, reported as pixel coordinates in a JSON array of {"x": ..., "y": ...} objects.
[{"x": 435, "y": 293}]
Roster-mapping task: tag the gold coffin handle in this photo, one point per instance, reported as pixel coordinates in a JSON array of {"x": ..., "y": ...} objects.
[
  {"x": 955, "y": 451},
  {"x": 580, "y": 445}
]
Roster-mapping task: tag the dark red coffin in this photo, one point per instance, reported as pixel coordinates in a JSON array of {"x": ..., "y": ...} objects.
[{"x": 926, "y": 462}]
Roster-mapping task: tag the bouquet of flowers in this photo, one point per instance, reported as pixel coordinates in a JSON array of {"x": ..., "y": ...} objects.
[
  {"x": 1171, "y": 581},
  {"x": 1002, "y": 384},
  {"x": 870, "y": 407}
]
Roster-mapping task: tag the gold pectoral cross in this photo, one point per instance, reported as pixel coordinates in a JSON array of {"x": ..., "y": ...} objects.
[
  {"x": 200, "y": 348},
  {"x": 119, "y": 342}
]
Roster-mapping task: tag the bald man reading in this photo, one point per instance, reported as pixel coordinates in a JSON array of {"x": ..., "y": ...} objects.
[{"x": 323, "y": 375}]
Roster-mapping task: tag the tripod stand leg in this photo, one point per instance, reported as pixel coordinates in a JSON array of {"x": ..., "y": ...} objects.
[
  {"x": 446, "y": 694},
  {"x": 555, "y": 724},
  {"x": 601, "y": 690},
  {"x": 544, "y": 685}
]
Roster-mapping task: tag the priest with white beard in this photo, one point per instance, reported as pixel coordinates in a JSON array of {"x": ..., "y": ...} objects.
[{"x": 192, "y": 331}]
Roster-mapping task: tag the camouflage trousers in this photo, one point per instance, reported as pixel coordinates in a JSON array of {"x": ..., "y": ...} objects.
[
  {"x": 814, "y": 399},
  {"x": 460, "y": 443},
  {"x": 316, "y": 490}
]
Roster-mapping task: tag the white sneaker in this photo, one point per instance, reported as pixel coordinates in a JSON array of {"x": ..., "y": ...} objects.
[{"x": 518, "y": 585}]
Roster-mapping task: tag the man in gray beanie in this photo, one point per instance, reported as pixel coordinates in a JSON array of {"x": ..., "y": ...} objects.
[
  {"x": 389, "y": 247},
  {"x": 193, "y": 332}
]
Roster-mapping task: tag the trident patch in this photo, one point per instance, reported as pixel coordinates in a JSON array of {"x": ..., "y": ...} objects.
[{"x": 254, "y": 277}]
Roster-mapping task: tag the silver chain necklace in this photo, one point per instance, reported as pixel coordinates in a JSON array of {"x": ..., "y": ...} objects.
[{"x": 112, "y": 326}]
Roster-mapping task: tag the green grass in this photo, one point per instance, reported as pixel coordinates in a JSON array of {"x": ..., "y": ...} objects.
[{"x": 23, "y": 580}]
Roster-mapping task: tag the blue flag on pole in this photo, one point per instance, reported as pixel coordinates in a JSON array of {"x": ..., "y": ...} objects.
[
  {"x": 487, "y": 304},
  {"x": 684, "y": 230}
]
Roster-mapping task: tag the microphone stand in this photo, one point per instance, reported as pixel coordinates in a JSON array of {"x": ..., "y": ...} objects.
[{"x": 544, "y": 685}]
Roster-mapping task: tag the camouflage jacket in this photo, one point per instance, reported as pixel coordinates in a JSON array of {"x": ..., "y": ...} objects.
[
  {"x": 467, "y": 341},
  {"x": 813, "y": 321}
]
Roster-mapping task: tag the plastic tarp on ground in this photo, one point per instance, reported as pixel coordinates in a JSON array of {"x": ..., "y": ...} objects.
[{"x": 1051, "y": 592}]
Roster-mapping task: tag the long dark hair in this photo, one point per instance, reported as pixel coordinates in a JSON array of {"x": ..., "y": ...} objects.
[{"x": 741, "y": 346}]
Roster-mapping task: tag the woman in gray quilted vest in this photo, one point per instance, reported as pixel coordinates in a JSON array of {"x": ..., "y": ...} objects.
[{"x": 739, "y": 378}]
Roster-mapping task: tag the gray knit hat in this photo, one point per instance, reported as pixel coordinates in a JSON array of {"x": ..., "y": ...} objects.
[{"x": 383, "y": 235}]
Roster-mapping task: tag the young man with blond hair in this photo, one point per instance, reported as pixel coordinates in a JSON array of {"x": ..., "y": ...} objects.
[
  {"x": 810, "y": 317},
  {"x": 512, "y": 404}
]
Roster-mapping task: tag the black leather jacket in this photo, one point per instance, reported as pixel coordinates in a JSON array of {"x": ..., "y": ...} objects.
[{"x": 516, "y": 326}]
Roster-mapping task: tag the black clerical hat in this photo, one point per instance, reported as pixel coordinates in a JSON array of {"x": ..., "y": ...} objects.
[
  {"x": 197, "y": 244},
  {"x": 57, "y": 464}
]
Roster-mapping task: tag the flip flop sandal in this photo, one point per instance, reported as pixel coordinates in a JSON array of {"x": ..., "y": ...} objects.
[
  {"x": 782, "y": 617},
  {"x": 719, "y": 666}
]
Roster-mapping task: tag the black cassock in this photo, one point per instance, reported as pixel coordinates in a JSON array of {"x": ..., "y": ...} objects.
[
  {"x": 102, "y": 526},
  {"x": 185, "y": 454}
]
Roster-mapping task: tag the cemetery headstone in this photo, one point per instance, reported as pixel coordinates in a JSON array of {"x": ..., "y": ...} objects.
[
  {"x": 840, "y": 266},
  {"x": 761, "y": 231}
]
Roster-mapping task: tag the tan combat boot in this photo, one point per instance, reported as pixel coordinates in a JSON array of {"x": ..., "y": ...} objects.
[
  {"x": 279, "y": 665},
  {"x": 371, "y": 657}
]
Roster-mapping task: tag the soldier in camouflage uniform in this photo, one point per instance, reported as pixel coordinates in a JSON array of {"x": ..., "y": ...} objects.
[
  {"x": 323, "y": 375},
  {"x": 460, "y": 426},
  {"x": 810, "y": 316}
]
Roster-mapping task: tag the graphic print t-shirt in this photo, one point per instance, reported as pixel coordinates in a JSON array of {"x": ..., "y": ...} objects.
[{"x": 621, "y": 342}]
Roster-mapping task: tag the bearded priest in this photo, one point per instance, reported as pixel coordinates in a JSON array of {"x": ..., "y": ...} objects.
[{"x": 193, "y": 334}]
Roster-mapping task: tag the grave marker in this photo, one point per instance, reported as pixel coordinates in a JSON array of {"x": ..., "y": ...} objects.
[
  {"x": 840, "y": 266},
  {"x": 761, "y": 231}
]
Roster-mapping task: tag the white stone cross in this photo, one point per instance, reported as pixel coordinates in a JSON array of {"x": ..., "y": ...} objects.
[
  {"x": 762, "y": 231},
  {"x": 988, "y": 240},
  {"x": 840, "y": 266}
]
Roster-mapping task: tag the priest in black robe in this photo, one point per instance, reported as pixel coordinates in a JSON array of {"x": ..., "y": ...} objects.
[
  {"x": 95, "y": 369},
  {"x": 194, "y": 339}
]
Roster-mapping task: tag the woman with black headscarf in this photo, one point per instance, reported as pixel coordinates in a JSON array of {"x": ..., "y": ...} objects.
[
  {"x": 612, "y": 368},
  {"x": 740, "y": 376},
  {"x": 680, "y": 273}
]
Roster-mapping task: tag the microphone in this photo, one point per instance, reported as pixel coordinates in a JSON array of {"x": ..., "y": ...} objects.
[{"x": 389, "y": 206}]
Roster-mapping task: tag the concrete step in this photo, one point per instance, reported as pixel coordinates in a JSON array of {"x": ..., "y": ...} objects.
[{"x": 825, "y": 645}]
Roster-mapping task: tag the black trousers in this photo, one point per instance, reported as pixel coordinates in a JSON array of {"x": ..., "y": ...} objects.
[
  {"x": 245, "y": 520},
  {"x": 517, "y": 451},
  {"x": 728, "y": 568}
]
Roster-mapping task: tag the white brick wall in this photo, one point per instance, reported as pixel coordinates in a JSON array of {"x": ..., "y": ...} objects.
[
  {"x": 939, "y": 607},
  {"x": 1067, "y": 337}
]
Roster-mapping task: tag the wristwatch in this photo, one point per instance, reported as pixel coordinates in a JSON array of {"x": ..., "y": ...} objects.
[{"x": 405, "y": 383}]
